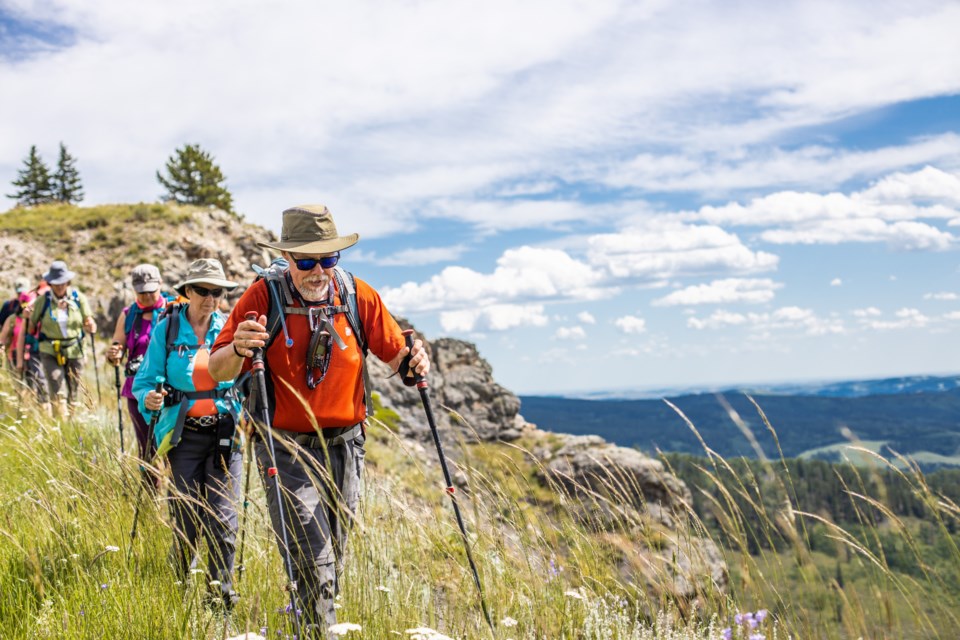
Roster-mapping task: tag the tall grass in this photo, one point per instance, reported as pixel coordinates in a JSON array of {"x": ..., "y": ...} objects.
[{"x": 557, "y": 560}]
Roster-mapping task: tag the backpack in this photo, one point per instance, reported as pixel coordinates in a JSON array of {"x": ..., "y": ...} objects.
[{"x": 281, "y": 299}]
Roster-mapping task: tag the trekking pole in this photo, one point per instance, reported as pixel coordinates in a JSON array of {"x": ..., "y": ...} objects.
[
  {"x": 260, "y": 377},
  {"x": 422, "y": 386},
  {"x": 96, "y": 367},
  {"x": 153, "y": 424},
  {"x": 246, "y": 503},
  {"x": 116, "y": 379}
]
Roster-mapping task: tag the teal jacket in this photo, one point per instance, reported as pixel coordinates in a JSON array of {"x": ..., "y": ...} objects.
[{"x": 177, "y": 367}]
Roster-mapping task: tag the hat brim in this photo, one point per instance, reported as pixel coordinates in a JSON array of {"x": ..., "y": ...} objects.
[
  {"x": 213, "y": 282},
  {"x": 64, "y": 278},
  {"x": 147, "y": 287},
  {"x": 316, "y": 246}
]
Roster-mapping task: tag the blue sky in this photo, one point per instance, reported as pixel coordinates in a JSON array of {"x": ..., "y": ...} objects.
[{"x": 601, "y": 195}]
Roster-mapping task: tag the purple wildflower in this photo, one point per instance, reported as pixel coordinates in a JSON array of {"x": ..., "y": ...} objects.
[
  {"x": 104, "y": 586},
  {"x": 760, "y": 615},
  {"x": 756, "y": 636},
  {"x": 752, "y": 622},
  {"x": 738, "y": 618},
  {"x": 727, "y": 633}
]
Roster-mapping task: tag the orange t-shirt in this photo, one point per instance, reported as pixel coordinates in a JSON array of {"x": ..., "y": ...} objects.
[{"x": 338, "y": 400}]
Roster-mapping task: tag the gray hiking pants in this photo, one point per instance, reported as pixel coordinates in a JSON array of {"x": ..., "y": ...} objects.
[
  {"x": 320, "y": 501},
  {"x": 205, "y": 504},
  {"x": 63, "y": 381}
]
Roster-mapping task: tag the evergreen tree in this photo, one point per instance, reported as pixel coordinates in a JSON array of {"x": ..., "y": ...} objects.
[
  {"x": 33, "y": 181},
  {"x": 67, "y": 187},
  {"x": 194, "y": 178}
]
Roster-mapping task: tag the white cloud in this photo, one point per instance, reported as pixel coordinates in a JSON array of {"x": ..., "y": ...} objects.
[
  {"x": 570, "y": 333},
  {"x": 906, "y": 318},
  {"x": 940, "y": 295},
  {"x": 784, "y": 318},
  {"x": 631, "y": 324},
  {"x": 665, "y": 248},
  {"x": 728, "y": 290},
  {"x": 836, "y": 282},
  {"x": 498, "y": 317},
  {"x": 422, "y": 256},
  {"x": 524, "y": 274},
  {"x": 869, "y": 312},
  {"x": 901, "y": 235},
  {"x": 586, "y": 317}
]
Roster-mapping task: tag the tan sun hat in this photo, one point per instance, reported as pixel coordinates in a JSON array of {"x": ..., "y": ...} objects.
[
  {"x": 309, "y": 228},
  {"x": 205, "y": 271}
]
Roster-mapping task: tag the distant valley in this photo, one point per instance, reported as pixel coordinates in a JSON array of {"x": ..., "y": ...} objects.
[{"x": 917, "y": 416}]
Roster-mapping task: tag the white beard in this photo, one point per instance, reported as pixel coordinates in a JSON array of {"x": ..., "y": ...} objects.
[{"x": 315, "y": 291}]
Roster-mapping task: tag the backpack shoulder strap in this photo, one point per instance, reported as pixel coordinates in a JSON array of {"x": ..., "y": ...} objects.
[
  {"x": 172, "y": 313},
  {"x": 133, "y": 313},
  {"x": 347, "y": 285}
]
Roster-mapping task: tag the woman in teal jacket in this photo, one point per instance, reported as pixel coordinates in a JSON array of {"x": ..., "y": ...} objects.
[{"x": 197, "y": 427}]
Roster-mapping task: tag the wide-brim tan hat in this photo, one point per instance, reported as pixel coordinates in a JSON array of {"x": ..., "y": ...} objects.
[
  {"x": 309, "y": 228},
  {"x": 205, "y": 271}
]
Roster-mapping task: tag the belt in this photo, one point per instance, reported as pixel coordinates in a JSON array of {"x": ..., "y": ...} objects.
[
  {"x": 203, "y": 423},
  {"x": 331, "y": 437}
]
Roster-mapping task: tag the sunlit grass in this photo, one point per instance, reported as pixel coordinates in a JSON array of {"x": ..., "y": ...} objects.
[{"x": 554, "y": 562}]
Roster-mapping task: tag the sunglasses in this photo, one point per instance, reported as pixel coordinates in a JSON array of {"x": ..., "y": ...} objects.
[
  {"x": 203, "y": 292},
  {"x": 326, "y": 262}
]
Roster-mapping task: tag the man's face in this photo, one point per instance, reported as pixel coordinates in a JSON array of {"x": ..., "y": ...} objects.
[{"x": 313, "y": 285}]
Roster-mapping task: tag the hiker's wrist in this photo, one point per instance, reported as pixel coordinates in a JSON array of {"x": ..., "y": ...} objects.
[{"x": 237, "y": 351}]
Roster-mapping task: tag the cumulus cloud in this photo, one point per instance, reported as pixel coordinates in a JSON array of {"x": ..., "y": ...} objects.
[
  {"x": 836, "y": 282},
  {"x": 728, "y": 290},
  {"x": 631, "y": 324},
  {"x": 586, "y": 317},
  {"x": 498, "y": 317},
  {"x": 905, "y": 318},
  {"x": 869, "y": 312},
  {"x": 525, "y": 273},
  {"x": 784, "y": 318},
  {"x": 889, "y": 211},
  {"x": 570, "y": 333},
  {"x": 665, "y": 248},
  {"x": 940, "y": 295},
  {"x": 422, "y": 256},
  {"x": 901, "y": 235}
]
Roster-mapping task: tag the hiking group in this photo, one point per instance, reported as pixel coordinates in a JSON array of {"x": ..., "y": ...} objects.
[{"x": 202, "y": 385}]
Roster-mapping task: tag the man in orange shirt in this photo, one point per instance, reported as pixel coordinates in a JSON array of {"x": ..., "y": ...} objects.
[{"x": 316, "y": 392}]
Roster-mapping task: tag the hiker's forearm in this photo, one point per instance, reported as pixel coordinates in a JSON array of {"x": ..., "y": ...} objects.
[{"x": 224, "y": 364}]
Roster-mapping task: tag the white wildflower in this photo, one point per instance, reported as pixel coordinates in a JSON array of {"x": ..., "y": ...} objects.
[
  {"x": 426, "y": 633},
  {"x": 111, "y": 548},
  {"x": 383, "y": 589},
  {"x": 576, "y": 595},
  {"x": 214, "y": 583},
  {"x": 508, "y": 622},
  {"x": 195, "y": 572},
  {"x": 343, "y": 628}
]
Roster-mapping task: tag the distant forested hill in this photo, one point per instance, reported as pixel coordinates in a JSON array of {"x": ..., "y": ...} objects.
[{"x": 925, "y": 425}]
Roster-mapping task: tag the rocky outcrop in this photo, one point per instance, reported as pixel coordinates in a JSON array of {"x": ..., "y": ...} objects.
[{"x": 464, "y": 395}]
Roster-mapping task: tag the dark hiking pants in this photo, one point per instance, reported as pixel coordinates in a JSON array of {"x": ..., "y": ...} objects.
[
  {"x": 320, "y": 501},
  {"x": 141, "y": 429},
  {"x": 205, "y": 504}
]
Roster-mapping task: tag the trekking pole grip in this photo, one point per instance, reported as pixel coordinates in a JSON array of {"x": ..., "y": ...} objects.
[{"x": 408, "y": 375}]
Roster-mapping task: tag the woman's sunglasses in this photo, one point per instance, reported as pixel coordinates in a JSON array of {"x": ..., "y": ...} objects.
[
  {"x": 203, "y": 292},
  {"x": 326, "y": 262}
]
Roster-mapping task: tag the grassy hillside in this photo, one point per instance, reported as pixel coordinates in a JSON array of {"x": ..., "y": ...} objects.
[
  {"x": 68, "y": 568},
  {"x": 911, "y": 424}
]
